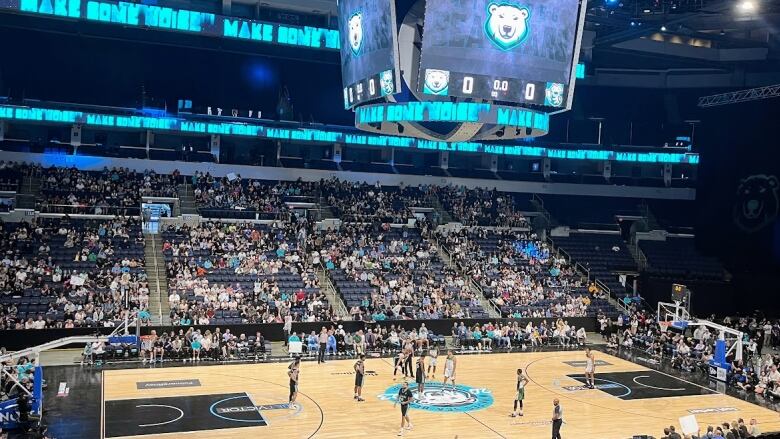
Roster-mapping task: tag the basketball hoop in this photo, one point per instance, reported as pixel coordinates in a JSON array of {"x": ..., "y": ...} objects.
[{"x": 664, "y": 325}]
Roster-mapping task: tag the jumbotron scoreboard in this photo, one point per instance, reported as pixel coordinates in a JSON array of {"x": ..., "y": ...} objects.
[
  {"x": 506, "y": 54},
  {"x": 508, "y": 51},
  {"x": 369, "y": 50}
]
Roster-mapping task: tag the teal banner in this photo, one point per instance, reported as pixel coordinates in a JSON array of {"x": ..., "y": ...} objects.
[
  {"x": 178, "y": 20},
  {"x": 328, "y": 135}
]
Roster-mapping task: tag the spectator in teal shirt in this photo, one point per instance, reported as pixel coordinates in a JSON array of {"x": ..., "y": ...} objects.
[{"x": 294, "y": 337}]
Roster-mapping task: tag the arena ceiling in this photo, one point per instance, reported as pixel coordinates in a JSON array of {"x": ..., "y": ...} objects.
[{"x": 660, "y": 43}]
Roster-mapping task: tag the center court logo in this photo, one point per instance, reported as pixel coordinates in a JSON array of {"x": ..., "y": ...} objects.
[{"x": 438, "y": 398}]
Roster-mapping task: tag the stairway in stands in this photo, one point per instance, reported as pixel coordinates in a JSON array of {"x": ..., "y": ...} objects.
[
  {"x": 159, "y": 307},
  {"x": 538, "y": 204},
  {"x": 326, "y": 286},
  {"x": 444, "y": 216},
  {"x": 326, "y": 212},
  {"x": 28, "y": 193},
  {"x": 187, "y": 200}
]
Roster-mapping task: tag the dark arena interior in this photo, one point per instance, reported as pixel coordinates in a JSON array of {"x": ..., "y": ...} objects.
[{"x": 382, "y": 218}]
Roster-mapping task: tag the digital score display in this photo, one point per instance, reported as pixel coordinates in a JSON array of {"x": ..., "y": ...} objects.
[
  {"x": 369, "y": 50},
  {"x": 518, "y": 51}
]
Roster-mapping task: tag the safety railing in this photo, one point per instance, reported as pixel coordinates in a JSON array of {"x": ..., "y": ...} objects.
[
  {"x": 70, "y": 209},
  {"x": 157, "y": 280},
  {"x": 339, "y": 302}
]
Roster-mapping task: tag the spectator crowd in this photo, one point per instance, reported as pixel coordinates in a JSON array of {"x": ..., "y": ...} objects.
[
  {"x": 115, "y": 191},
  {"x": 71, "y": 273},
  {"x": 241, "y": 273}
]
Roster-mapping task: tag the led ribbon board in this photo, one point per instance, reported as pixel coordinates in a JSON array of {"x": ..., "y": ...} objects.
[
  {"x": 325, "y": 136},
  {"x": 477, "y": 117},
  {"x": 178, "y": 20}
]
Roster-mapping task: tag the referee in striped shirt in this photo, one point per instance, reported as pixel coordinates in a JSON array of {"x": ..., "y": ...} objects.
[{"x": 557, "y": 419}]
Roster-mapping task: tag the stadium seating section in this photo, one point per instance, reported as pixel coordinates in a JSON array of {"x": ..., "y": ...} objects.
[{"x": 61, "y": 271}]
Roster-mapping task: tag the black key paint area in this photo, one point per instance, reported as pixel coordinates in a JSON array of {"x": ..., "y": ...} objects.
[
  {"x": 137, "y": 417},
  {"x": 644, "y": 384}
]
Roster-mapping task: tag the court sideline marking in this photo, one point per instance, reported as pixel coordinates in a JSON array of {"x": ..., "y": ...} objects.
[
  {"x": 485, "y": 425},
  {"x": 102, "y": 404}
]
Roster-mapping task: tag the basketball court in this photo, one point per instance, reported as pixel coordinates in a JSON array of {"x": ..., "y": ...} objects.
[{"x": 231, "y": 401}]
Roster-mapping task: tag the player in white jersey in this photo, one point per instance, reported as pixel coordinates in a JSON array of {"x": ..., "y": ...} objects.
[
  {"x": 449, "y": 369},
  {"x": 433, "y": 355},
  {"x": 398, "y": 363},
  {"x": 590, "y": 369}
]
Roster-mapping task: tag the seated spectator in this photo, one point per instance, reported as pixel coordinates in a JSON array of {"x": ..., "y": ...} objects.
[
  {"x": 393, "y": 273},
  {"x": 85, "y": 273},
  {"x": 116, "y": 191},
  {"x": 241, "y": 274},
  {"x": 481, "y": 207}
]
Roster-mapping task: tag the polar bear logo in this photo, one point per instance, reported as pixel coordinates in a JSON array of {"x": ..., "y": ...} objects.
[
  {"x": 757, "y": 202},
  {"x": 387, "y": 83},
  {"x": 553, "y": 94},
  {"x": 507, "y": 24},
  {"x": 356, "y": 32},
  {"x": 436, "y": 82}
]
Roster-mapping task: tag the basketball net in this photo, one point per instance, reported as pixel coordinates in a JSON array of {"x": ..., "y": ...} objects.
[{"x": 664, "y": 325}]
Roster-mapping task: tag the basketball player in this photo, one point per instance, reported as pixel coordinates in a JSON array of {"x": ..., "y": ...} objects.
[
  {"x": 293, "y": 372},
  {"x": 449, "y": 369},
  {"x": 433, "y": 355},
  {"x": 521, "y": 382},
  {"x": 409, "y": 352},
  {"x": 590, "y": 369},
  {"x": 420, "y": 376},
  {"x": 400, "y": 359},
  {"x": 360, "y": 369},
  {"x": 405, "y": 397}
]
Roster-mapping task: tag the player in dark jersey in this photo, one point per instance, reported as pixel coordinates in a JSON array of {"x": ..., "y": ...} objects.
[
  {"x": 405, "y": 398},
  {"x": 520, "y": 396},
  {"x": 294, "y": 373},
  {"x": 420, "y": 377},
  {"x": 360, "y": 370}
]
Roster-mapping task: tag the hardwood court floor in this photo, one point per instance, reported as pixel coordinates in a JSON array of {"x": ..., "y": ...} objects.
[{"x": 632, "y": 399}]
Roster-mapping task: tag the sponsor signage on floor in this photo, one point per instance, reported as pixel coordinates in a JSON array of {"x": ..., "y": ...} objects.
[
  {"x": 583, "y": 363},
  {"x": 712, "y": 410},
  {"x": 167, "y": 384}
]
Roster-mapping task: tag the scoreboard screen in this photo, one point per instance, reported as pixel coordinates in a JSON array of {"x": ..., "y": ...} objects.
[
  {"x": 369, "y": 50},
  {"x": 519, "y": 51}
]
